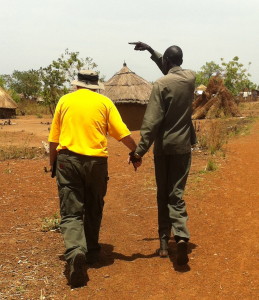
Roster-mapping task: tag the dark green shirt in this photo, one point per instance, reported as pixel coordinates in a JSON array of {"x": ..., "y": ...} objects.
[{"x": 167, "y": 120}]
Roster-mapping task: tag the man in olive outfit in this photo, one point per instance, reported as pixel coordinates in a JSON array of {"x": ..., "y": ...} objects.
[
  {"x": 78, "y": 145},
  {"x": 167, "y": 123}
]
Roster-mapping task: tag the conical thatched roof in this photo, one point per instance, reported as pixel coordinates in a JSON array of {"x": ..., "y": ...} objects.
[
  {"x": 5, "y": 100},
  {"x": 127, "y": 87}
]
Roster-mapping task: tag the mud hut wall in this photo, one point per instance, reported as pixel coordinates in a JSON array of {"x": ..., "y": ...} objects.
[
  {"x": 132, "y": 114},
  {"x": 7, "y": 113}
]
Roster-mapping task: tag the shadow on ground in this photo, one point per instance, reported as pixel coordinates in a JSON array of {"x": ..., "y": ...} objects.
[{"x": 107, "y": 257}]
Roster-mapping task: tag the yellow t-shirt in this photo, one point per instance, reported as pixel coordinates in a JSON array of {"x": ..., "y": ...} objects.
[{"x": 82, "y": 120}]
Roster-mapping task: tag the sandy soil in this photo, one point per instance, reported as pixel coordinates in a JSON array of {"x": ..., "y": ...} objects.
[
  {"x": 222, "y": 206},
  {"x": 25, "y": 131}
]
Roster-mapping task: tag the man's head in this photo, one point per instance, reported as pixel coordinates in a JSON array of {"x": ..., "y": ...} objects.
[
  {"x": 172, "y": 57},
  {"x": 88, "y": 79}
]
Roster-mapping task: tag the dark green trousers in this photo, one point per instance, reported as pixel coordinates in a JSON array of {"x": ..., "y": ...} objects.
[
  {"x": 82, "y": 184},
  {"x": 171, "y": 176}
]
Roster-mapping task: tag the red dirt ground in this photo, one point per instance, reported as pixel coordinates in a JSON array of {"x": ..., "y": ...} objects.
[{"x": 223, "y": 213}]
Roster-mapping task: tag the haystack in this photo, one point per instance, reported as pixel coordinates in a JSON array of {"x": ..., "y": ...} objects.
[
  {"x": 215, "y": 102},
  {"x": 130, "y": 93},
  {"x": 7, "y": 105}
]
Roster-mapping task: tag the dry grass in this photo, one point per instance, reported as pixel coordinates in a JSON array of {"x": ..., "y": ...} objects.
[
  {"x": 9, "y": 150},
  {"x": 23, "y": 152},
  {"x": 213, "y": 135},
  {"x": 27, "y": 107}
]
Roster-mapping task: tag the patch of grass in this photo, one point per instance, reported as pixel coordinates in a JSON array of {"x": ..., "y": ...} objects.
[
  {"x": 216, "y": 133},
  {"x": 241, "y": 127},
  {"x": 51, "y": 223},
  {"x": 197, "y": 178},
  {"x": 211, "y": 165},
  {"x": 21, "y": 289},
  {"x": 201, "y": 172},
  {"x": 23, "y": 152}
]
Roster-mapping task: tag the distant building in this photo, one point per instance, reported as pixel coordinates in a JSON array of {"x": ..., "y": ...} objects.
[
  {"x": 7, "y": 105},
  {"x": 130, "y": 93},
  {"x": 200, "y": 89},
  {"x": 248, "y": 95}
]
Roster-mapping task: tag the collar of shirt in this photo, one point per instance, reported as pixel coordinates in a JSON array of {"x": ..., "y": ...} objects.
[{"x": 175, "y": 69}]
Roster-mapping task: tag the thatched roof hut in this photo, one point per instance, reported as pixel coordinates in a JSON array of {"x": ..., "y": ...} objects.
[
  {"x": 200, "y": 89},
  {"x": 130, "y": 93},
  {"x": 7, "y": 105}
]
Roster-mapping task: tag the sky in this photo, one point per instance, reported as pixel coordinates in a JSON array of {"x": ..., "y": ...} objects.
[{"x": 35, "y": 32}]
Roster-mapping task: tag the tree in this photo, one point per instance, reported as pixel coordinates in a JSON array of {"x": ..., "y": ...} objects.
[
  {"x": 57, "y": 76},
  {"x": 209, "y": 69},
  {"x": 236, "y": 77},
  {"x": 26, "y": 83},
  {"x": 2, "y": 82}
]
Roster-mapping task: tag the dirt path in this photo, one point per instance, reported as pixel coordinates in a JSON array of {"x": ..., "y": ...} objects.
[
  {"x": 25, "y": 131},
  {"x": 222, "y": 206}
]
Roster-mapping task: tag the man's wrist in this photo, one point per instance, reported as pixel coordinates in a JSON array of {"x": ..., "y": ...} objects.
[
  {"x": 134, "y": 157},
  {"x": 137, "y": 155}
]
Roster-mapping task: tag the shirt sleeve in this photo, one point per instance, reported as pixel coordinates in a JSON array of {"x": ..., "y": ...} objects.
[
  {"x": 153, "y": 117},
  {"x": 55, "y": 126},
  {"x": 158, "y": 59},
  {"x": 116, "y": 127}
]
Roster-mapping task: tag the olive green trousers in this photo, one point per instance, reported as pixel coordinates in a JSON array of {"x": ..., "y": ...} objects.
[
  {"x": 82, "y": 184},
  {"x": 171, "y": 176}
]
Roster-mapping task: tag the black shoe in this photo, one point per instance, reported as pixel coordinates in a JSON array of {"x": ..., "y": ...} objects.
[
  {"x": 78, "y": 275},
  {"x": 181, "y": 254}
]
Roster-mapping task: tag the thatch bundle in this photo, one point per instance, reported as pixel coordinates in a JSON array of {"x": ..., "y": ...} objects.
[
  {"x": 127, "y": 87},
  {"x": 215, "y": 102}
]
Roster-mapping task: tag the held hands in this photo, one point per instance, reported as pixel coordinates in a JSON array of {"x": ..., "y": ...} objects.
[
  {"x": 136, "y": 161},
  {"x": 139, "y": 46}
]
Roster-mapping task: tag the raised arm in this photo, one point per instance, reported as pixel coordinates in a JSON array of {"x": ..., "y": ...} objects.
[
  {"x": 139, "y": 46},
  {"x": 155, "y": 56}
]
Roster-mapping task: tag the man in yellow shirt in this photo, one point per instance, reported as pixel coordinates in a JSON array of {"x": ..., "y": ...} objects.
[{"x": 78, "y": 154}]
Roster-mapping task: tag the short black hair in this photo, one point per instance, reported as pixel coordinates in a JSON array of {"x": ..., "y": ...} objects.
[{"x": 174, "y": 54}]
